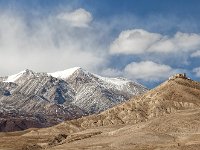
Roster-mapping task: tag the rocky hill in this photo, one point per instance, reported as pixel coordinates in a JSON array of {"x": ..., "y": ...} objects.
[
  {"x": 169, "y": 97},
  {"x": 48, "y": 99}
]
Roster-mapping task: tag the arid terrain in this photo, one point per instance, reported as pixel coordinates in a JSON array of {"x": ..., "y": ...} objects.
[
  {"x": 167, "y": 118},
  {"x": 99, "y": 74}
]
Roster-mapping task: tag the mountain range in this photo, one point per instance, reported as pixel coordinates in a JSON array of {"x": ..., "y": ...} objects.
[
  {"x": 30, "y": 99},
  {"x": 166, "y": 117}
]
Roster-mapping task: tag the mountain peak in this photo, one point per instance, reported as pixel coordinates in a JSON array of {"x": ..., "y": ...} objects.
[
  {"x": 13, "y": 78},
  {"x": 65, "y": 73}
]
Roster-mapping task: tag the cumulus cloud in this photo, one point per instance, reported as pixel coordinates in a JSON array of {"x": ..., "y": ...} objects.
[
  {"x": 148, "y": 71},
  {"x": 77, "y": 18},
  {"x": 197, "y": 71},
  {"x": 195, "y": 54},
  {"x": 133, "y": 41},
  {"x": 139, "y": 41}
]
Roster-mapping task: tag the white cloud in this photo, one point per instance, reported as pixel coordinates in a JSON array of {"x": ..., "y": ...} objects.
[
  {"x": 148, "y": 71},
  {"x": 139, "y": 41},
  {"x": 187, "y": 41},
  {"x": 54, "y": 44},
  {"x": 195, "y": 54},
  {"x": 47, "y": 45},
  {"x": 197, "y": 71},
  {"x": 77, "y": 18},
  {"x": 133, "y": 41}
]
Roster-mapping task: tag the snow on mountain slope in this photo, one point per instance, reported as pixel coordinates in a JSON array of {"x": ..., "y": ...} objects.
[
  {"x": 64, "y": 74},
  {"x": 95, "y": 93},
  {"x": 25, "y": 74},
  {"x": 118, "y": 83},
  {"x": 14, "y": 77}
]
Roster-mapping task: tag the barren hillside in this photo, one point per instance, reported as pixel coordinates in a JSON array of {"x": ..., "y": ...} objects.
[{"x": 166, "y": 117}]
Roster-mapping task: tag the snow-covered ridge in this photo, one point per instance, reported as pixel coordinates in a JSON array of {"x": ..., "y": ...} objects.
[
  {"x": 64, "y": 74},
  {"x": 68, "y": 72},
  {"x": 118, "y": 83},
  {"x": 14, "y": 77},
  {"x": 59, "y": 74}
]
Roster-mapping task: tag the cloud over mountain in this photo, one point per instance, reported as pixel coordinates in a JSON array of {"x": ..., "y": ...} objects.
[
  {"x": 134, "y": 41},
  {"x": 139, "y": 41},
  {"x": 49, "y": 44},
  {"x": 148, "y": 71}
]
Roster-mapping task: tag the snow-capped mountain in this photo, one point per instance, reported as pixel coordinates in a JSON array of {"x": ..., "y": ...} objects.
[
  {"x": 53, "y": 97},
  {"x": 64, "y": 74},
  {"x": 95, "y": 93}
]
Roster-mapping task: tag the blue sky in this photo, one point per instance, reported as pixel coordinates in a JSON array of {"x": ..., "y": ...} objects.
[{"x": 146, "y": 40}]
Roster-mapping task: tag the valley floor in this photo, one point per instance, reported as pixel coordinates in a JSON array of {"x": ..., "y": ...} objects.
[{"x": 177, "y": 131}]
